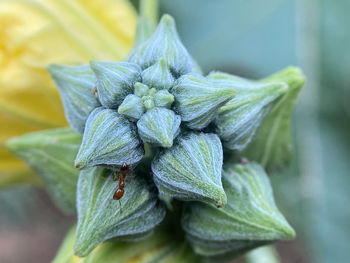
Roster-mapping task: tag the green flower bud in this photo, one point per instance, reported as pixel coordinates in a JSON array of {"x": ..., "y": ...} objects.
[
  {"x": 51, "y": 154},
  {"x": 249, "y": 219},
  {"x": 132, "y": 107},
  {"x": 101, "y": 218},
  {"x": 115, "y": 80},
  {"x": 197, "y": 99},
  {"x": 163, "y": 99},
  {"x": 164, "y": 43},
  {"x": 141, "y": 89},
  {"x": 109, "y": 139},
  {"x": 272, "y": 146},
  {"x": 239, "y": 119},
  {"x": 159, "y": 126},
  {"x": 76, "y": 88},
  {"x": 158, "y": 76},
  {"x": 148, "y": 102},
  {"x": 191, "y": 169}
]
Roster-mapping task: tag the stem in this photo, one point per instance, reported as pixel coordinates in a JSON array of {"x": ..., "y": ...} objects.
[{"x": 149, "y": 9}]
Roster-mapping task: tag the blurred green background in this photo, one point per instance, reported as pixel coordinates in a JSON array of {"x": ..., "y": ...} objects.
[{"x": 255, "y": 38}]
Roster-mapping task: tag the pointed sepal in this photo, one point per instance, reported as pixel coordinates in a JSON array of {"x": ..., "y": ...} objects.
[
  {"x": 101, "y": 218},
  {"x": 164, "y": 43},
  {"x": 51, "y": 154},
  {"x": 158, "y": 76},
  {"x": 115, "y": 80},
  {"x": 191, "y": 169},
  {"x": 249, "y": 219},
  {"x": 159, "y": 126},
  {"x": 198, "y": 98},
  {"x": 132, "y": 107},
  {"x": 109, "y": 139},
  {"x": 75, "y": 84}
]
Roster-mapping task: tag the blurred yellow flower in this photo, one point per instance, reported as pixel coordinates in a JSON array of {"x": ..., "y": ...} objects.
[{"x": 35, "y": 33}]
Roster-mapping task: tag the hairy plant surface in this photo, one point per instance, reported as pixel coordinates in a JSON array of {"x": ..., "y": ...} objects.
[{"x": 193, "y": 150}]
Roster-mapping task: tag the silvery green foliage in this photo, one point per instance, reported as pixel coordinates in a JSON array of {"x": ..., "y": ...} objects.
[
  {"x": 109, "y": 139},
  {"x": 159, "y": 101},
  {"x": 101, "y": 218},
  {"x": 76, "y": 88},
  {"x": 51, "y": 154},
  {"x": 191, "y": 169},
  {"x": 249, "y": 219}
]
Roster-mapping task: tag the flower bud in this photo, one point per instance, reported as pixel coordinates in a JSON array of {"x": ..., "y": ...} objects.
[
  {"x": 101, "y": 218},
  {"x": 239, "y": 119},
  {"x": 249, "y": 219},
  {"x": 159, "y": 126},
  {"x": 115, "y": 80},
  {"x": 272, "y": 146},
  {"x": 191, "y": 169},
  {"x": 158, "y": 76},
  {"x": 132, "y": 107},
  {"x": 197, "y": 99},
  {"x": 163, "y": 99},
  {"x": 109, "y": 139},
  {"x": 140, "y": 89},
  {"x": 164, "y": 43}
]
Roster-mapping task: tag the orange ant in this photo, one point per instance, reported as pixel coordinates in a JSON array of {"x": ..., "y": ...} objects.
[
  {"x": 94, "y": 90},
  {"x": 124, "y": 170},
  {"x": 118, "y": 194}
]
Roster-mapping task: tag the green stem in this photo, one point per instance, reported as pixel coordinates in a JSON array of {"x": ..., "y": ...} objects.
[{"x": 149, "y": 9}]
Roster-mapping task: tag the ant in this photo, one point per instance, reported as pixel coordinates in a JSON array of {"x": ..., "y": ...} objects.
[
  {"x": 118, "y": 194},
  {"x": 124, "y": 170}
]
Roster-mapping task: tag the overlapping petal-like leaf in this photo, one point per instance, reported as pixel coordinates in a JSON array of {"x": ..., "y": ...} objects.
[
  {"x": 249, "y": 219},
  {"x": 197, "y": 99},
  {"x": 75, "y": 84},
  {"x": 272, "y": 146},
  {"x": 51, "y": 154},
  {"x": 191, "y": 169},
  {"x": 164, "y": 43},
  {"x": 109, "y": 139},
  {"x": 239, "y": 119},
  {"x": 115, "y": 80},
  {"x": 101, "y": 218},
  {"x": 159, "y": 126}
]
